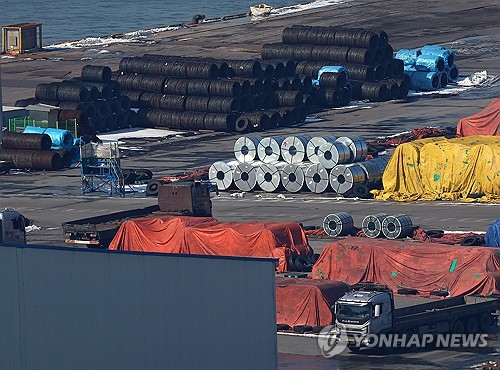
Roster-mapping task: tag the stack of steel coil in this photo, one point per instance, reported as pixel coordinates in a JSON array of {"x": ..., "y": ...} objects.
[
  {"x": 93, "y": 100},
  {"x": 300, "y": 162},
  {"x": 366, "y": 55},
  {"x": 214, "y": 94},
  {"x": 31, "y": 151}
]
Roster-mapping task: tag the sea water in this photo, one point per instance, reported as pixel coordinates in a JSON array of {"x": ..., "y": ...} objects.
[{"x": 65, "y": 20}]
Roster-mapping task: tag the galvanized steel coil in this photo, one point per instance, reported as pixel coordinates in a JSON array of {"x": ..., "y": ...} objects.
[
  {"x": 245, "y": 148},
  {"x": 397, "y": 226},
  {"x": 294, "y": 148},
  {"x": 316, "y": 177},
  {"x": 332, "y": 154},
  {"x": 221, "y": 173},
  {"x": 343, "y": 177},
  {"x": 357, "y": 146},
  {"x": 245, "y": 175},
  {"x": 338, "y": 224},
  {"x": 372, "y": 225},
  {"x": 269, "y": 149}
]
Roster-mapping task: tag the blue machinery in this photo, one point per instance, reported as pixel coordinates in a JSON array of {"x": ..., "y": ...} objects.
[{"x": 100, "y": 169}]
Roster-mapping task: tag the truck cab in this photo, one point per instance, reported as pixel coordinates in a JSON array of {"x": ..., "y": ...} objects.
[
  {"x": 361, "y": 313},
  {"x": 12, "y": 227}
]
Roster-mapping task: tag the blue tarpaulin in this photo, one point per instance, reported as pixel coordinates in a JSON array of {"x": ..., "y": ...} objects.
[
  {"x": 408, "y": 56},
  {"x": 61, "y": 139},
  {"x": 447, "y": 55},
  {"x": 493, "y": 234},
  {"x": 429, "y": 63},
  {"x": 424, "y": 80}
]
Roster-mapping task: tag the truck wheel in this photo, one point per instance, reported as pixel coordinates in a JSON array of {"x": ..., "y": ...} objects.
[
  {"x": 354, "y": 349},
  {"x": 485, "y": 321},
  {"x": 291, "y": 264},
  {"x": 152, "y": 188},
  {"x": 458, "y": 327},
  {"x": 472, "y": 326},
  {"x": 282, "y": 327}
]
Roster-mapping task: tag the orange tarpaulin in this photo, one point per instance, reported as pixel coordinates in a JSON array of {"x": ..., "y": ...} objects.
[
  {"x": 423, "y": 266},
  {"x": 205, "y": 235},
  {"x": 307, "y": 301},
  {"x": 486, "y": 122}
]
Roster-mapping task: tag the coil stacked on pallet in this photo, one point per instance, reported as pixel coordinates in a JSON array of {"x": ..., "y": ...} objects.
[
  {"x": 93, "y": 99},
  {"x": 296, "y": 163},
  {"x": 365, "y": 55},
  {"x": 213, "y": 94}
]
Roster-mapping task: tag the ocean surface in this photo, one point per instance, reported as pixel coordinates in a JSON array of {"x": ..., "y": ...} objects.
[{"x": 65, "y": 20}]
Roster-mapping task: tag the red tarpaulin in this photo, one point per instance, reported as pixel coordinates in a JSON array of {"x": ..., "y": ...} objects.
[
  {"x": 205, "y": 235},
  {"x": 307, "y": 301},
  {"x": 423, "y": 266},
  {"x": 486, "y": 122}
]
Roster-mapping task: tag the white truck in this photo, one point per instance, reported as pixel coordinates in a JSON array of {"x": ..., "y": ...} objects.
[
  {"x": 12, "y": 227},
  {"x": 373, "y": 309}
]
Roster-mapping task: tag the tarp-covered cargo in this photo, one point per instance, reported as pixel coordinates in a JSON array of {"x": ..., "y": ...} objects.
[
  {"x": 205, "y": 235},
  {"x": 486, "y": 122},
  {"x": 463, "y": 169},
  {"x": 307, "y": 301},
  {"x": 426, "y": 267},
  {"x": 493, "y": 234}
]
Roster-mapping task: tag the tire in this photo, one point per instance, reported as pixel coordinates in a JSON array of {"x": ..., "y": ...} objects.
[
  {"x": 439, "y": 293},
  {"x": 302, "y": 328},
  {"x": 354, "y": 349},
  {"x": 317, "y": 329},
  {"x": 283, "y": 327},
  {"x": 472, "y": 326},
  {"x": 143, "y": 174},
  {"x": 301, "y": 264},
  {"x": 408, "y": 291},
  {"x": 485, "y": 321},
  {"x": 458, "y": 327},
  {"x": 291, "y": 264},
  {"x": 434, "y": 233},
  {"x": 312, "y": 258},
  {"x": 129, "y": 176},
  {"x": 471, "y": 241},
  {"x": 361, "y": 191},
  {"x": 152, "y": 188}
]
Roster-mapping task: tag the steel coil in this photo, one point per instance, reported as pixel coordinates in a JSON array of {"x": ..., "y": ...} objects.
[
  {"x": 269, "y": 149},
  {"x": 268, "y": 176},
  {"x": 293, "y": 177},
  {"x": 316, "y": 178},
  {"x": 313, "y": 146},
  {"x": 293, "y": 148},
  {"x": 68, "y": 91},
  {"x": 344, "y": 177},
  {"x": 397, "y": 226},
  {"x": 338, "y": 224},
  {"x": 331, "y": 154},
  {"x": 48, "y": 160},
  {"x": 14, "y": 140},
  {"x": 245, "y": 148},
  {"x": 96, "y": 73},
  {"x": 372, "y": 225},
  {"x": 258, "y": 121},
  {"x": 221, "y": 174},
  {"x": 245, "y": 175},
  {"x": 357, "y": 147}
]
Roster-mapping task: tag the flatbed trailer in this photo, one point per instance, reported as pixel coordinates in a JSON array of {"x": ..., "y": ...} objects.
[{"x": 98, "y": 231}]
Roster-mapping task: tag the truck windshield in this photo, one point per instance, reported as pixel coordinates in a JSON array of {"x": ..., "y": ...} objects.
[{"x": 358, "y": 314}]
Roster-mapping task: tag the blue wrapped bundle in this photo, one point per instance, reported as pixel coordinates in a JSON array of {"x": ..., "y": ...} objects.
[
  {"x": 61, "y": 139},
  {"x": 429, "y": 63},
  {"x": 336, "y": 69},
  {"x": 436, "y": 50},
  {"x": 452, "y": 73},
  {"x": 443, "y": 80},
  {"x": 425, "y": 81},
  {"x": 408, "y": 56}
]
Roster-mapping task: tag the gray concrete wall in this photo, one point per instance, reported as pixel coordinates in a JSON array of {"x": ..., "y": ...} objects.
[{"x": 68, "y": 308}]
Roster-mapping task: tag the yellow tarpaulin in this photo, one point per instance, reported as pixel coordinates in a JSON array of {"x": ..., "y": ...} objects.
[{"x": 465, "y": 169}]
